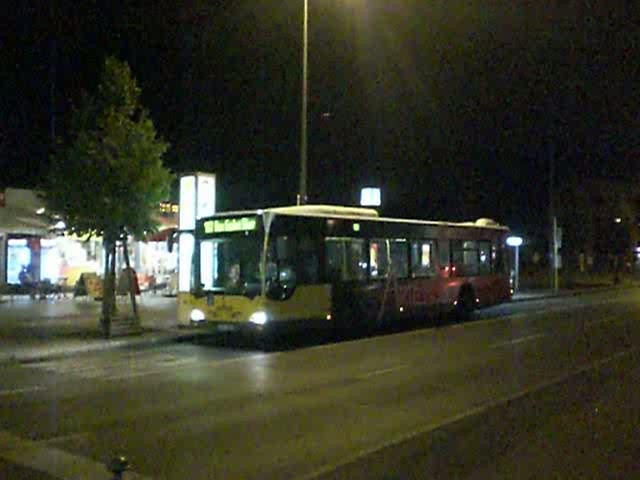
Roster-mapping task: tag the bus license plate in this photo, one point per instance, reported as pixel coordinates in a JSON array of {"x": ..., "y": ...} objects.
[{"x": 226, "y": 328}]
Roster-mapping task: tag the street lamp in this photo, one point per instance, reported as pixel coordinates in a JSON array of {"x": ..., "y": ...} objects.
[
  {"x": 516, "y": 242},
  {"x": 302, "y": 192}
]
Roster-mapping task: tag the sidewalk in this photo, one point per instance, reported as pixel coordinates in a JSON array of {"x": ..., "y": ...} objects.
[
  {"x": 524, "y": 295},
  {"x": 34, "y": 330}
]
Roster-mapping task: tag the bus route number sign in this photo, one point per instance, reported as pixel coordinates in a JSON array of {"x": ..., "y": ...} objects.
[{"x": 227, "y": 225}]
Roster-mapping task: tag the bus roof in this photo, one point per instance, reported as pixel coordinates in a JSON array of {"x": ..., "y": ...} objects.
[{"x": 358, "y": 213}]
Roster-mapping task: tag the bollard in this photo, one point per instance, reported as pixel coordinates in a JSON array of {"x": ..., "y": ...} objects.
[{"x": 118, "y": 465}]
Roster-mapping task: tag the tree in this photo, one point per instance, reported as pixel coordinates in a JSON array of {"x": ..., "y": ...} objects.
[
  {"x": 599, "y": 220},
  {"x": 108, "y": 178}
]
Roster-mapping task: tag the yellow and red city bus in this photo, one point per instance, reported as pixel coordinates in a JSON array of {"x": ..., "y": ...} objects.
[{"x": 341, "y": 267}]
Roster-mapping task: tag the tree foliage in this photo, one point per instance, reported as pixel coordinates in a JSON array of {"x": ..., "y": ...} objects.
[{"x": 108, "y": 178}]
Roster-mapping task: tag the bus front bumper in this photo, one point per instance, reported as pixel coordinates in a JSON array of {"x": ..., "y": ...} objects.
[{"x": 279, "y": 326}]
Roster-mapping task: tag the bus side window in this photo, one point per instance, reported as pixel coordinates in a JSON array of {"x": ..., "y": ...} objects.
[
  {"x": 307, "y": 261},
  {"x": 399, "y": 258},
  {"x": 281, "y": 260},
  {"x": 334, "y": 254},
  {"x": 464, "y": 257},
  {"x": 443, "y": 253},
  {"x": 378, "y": 261},
  {"x": 484, "y": 257},
  {"x": 345, "y": 259},
  {"x": 498, "y": 264},
  {"x": 422, "y": 256},
  {"x": 356, "y": 260}
]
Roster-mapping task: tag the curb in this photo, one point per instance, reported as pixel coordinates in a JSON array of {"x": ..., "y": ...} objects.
[
  {"x": 576, "y": 293},
  {"x": 152, "y": 339}
]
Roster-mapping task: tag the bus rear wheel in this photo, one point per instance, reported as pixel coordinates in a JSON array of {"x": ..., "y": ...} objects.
[{"x": 465, "y": 305}]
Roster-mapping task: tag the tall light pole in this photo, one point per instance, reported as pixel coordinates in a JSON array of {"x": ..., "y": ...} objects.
[
  {"x": 302, "y": 192},
  {"x": 553, "y": 236}
]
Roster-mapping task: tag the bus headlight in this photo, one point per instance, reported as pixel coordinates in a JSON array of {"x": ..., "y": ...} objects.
[
  {"x": 259, "y": 318},
  {"x": 196, "y": 315}
]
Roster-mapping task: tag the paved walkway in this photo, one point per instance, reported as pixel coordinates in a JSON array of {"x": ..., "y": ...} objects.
[{"x": 34, "y": 330}]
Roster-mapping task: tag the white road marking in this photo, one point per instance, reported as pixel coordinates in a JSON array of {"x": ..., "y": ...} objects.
[
  {"x": 18, "y": 391},
  {"x": 97, "y": 368},
  {"x": 132, "y": 366},
  {"x": 383, "y": 371},
  {"x": 517, "y": 340}
]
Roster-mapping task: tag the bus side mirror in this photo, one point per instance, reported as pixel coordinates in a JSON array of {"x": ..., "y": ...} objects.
[
  {"x": 282, "y": 288},
  {"x": 279, "y": 291},
  {"x": 198, "y": 292}
]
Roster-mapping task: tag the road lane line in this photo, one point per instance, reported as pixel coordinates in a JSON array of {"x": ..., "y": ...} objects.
[
  {"x": 517, "y": 340},
  {"x": 383, "y": 371},
  {"x": 18, "y": 391},
  {"x": 484, "y": 407}
]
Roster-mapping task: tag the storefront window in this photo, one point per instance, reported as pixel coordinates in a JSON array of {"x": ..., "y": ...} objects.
[
  {"x": 18, "y": 256},
  {"x": 50, "y": 260}
]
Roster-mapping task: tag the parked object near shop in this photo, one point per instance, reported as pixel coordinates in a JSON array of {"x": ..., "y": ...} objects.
[
  {"x": 89, "y": 284},
  {"x": 124, "y": 282}
]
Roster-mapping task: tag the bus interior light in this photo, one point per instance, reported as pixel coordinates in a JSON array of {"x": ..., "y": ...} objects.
[
  {"x": 259, "y": 318},
  {"x": 196, "y": 315}
]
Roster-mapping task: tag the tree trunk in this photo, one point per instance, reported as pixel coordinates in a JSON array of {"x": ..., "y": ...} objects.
[
  {"x": 132, "y": 279},
  {"x": 112, "y": 292},
  {"x": 105, "y": 321}
]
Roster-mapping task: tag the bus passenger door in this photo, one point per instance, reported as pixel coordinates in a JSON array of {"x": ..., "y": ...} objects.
[{"x": 346, "y": 270}]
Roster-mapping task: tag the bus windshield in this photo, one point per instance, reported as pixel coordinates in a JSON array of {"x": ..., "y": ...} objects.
[{"x": 231, "y": 265}]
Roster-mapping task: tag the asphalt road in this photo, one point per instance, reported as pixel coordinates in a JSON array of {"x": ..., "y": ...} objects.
[{"x": 498, "y": 397}]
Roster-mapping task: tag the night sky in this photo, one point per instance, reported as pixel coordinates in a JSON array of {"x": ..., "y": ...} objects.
[{"x": 452, "y": 107}]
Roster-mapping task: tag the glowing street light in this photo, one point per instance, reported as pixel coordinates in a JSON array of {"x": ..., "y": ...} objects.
[{"x": 515, "y": 242}]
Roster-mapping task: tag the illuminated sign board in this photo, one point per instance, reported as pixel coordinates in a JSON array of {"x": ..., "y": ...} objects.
[
  {"x": 370, "y": 197},
  {"x": 227, "y": 225},
  {"x": 206, "y": 202},
  {"x": 187, "y": 203}
]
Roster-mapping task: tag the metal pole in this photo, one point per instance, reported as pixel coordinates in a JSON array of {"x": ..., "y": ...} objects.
[
  {"x": 555, "y": 254},
  {"x": 553, "y": 280},
  {"x": 302, "y": 193},
  {"x": 517, "y": 282}
]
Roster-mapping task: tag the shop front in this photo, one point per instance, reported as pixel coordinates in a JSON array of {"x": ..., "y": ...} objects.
[{"x": 32, "y": 248}]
